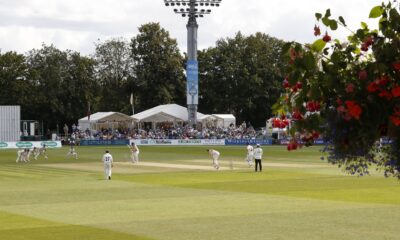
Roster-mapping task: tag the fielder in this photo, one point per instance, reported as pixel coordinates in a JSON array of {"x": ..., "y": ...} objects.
[
  {"x": 108, "y": 165},
  {"x": 30, "y": 153},
  {"x": 134, "y": 152},
  {"x": 42, "y": 151},
  {"x": 250, "y": 155},
  {"x": 22, "y": 155},
  {"x": 35, "y": 152},
  {"x": 214, "y": 156},
  {"x": 72, "y": 150}
]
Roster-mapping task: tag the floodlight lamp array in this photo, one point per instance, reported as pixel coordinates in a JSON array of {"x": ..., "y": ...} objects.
[{"x": 192, "y": 8}]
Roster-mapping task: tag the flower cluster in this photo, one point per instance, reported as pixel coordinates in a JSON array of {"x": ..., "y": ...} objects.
[{"x": 349, "y": 92}]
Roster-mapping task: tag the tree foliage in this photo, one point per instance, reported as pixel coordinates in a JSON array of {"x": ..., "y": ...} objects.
[
  {"x": 241, "y": 75},
  {"x": 114, "y": 72},
  {"x": 158, "y": 68},
  {"x": 349, "y": 92}
]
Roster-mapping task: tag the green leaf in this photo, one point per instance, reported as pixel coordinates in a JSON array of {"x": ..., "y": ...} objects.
[
  {"x": 318, "y": 16},
  {"x": 376, "y": 12},
  {"x": 318, "y": 45},
  {"x": 341, "y": 20},
  {"x": 326, "y": 21},
  {"x": 364, "y": 25},
  {"x": 333, "y": 25},
  {"x": 328, "y": 13},
  {"x": 309, "y": 61},
  {"x": 335, "y": 58}
]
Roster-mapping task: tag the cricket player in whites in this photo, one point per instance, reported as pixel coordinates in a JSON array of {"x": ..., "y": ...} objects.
[
  {"x": 72, "y": 150},
  {"x": 214, "y": 156},
  {"x": 250, "y": 154},
  {"x": 108, "y": 165},
  {"x": 42, "y": 151},
  {"x": 22, "y": 155},
  {"x": 134, "y": 152}
]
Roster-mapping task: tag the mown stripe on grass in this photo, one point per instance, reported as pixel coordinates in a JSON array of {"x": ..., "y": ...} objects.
[
  {"x": 18, "y": 227},
  {"x": 288, "y": 183},
  {"x": 335, "y": 224}
]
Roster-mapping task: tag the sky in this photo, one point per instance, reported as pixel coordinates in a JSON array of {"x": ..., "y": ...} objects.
[{"x": 78, "y": 24}]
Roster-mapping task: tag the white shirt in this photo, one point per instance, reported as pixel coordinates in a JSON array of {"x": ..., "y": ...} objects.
[
  {"x": 214, "y": 153},
  {"x": 250, "y": 150},
  {"x": 107, "y": 158},
  {"x": 258, "y": 152},
  {"x": 135, "y": 149}
]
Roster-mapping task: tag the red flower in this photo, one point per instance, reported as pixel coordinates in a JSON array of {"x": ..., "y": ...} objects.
[
  {"x": 341, "y": 109},
  {"x": 299, "y": 85},
  {"x": 383, "y": 81},
  {"x": 276, "y": 123},
  {"x": 350, "y": 88},
  {"x": 364, "y": 47},
  {"x": 369, "y": 41},
  {"x": 292, "y": 146},
  {"x": 339, "y": 101},
  {"x": 326, "y": 38},
  {"x": 317, "y": 30},
  {"x": 386, "y": 94},
  {"x": 297, "y": 115},
  {"x": 395, "y": 120},
  {"x": 315, "y": 135},
  {"x": 354, "y": 109},
  {"x": 396, "y": 91},
  {"x": 285, "y": 123},
  {"x": 313, "y": 106},
  {"x": 362, "y": 75},
  {"x": 396, "y": 66},
  {"x": 372, "y": 87},
  {"x": 285, "y": 83}
]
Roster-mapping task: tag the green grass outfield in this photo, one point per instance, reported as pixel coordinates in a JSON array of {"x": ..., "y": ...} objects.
[{"x": 173, "y": 193}]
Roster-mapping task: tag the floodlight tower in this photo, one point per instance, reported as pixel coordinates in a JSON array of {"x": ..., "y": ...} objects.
[{"x": 192, "y": 9}]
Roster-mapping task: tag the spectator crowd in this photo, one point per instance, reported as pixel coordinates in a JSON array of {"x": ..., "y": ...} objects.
[{"x": 243, "y": 131}]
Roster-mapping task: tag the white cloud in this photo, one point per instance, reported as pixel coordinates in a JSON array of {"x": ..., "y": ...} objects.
[{"x": 76, "y": 24}]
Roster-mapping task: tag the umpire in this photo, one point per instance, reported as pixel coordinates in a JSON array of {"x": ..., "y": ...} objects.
[{"x": 258, "y": 152}]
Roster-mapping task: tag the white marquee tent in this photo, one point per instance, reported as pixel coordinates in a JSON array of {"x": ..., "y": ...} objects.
[
  {"x": 224, "y": 120},
  {"x": 105, "y": 120},
  {"x": 164, "y": 113}
]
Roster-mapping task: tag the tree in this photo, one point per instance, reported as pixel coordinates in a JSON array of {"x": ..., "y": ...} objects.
[
  {"x": 349, "y": 92},
  {"x": 63, "y": 84},
  {"x": 241, "y": 75},
  {"x": 81, "y": 87},
  {"x": 15, "y": 87},
  {"x": 158, "y": 68},
  {"x": 114, "y": 74}
]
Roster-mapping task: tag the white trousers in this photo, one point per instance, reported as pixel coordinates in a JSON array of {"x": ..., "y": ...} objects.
[
  {"x": 107, "y": 170},
  {"x": 21, "y": 156},
  {"x": 249, "y": 159},
  {"x": 73, "y": 153},
  {"x": 135, "y": 157},
  {"x": 215, "y": 161}
]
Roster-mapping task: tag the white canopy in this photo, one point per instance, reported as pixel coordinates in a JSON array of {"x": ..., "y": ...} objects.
[
  {"x": 105, "y": 119},
  {"x": 164, "y": 113},
  {"x": 224, "y": 120}
]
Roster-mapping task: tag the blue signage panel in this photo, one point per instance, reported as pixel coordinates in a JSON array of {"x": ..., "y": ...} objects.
[
  {"x": 192, "y": 87},
  {"x": 103, "y": 142},
  {"x": 246, "y": 141}
]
